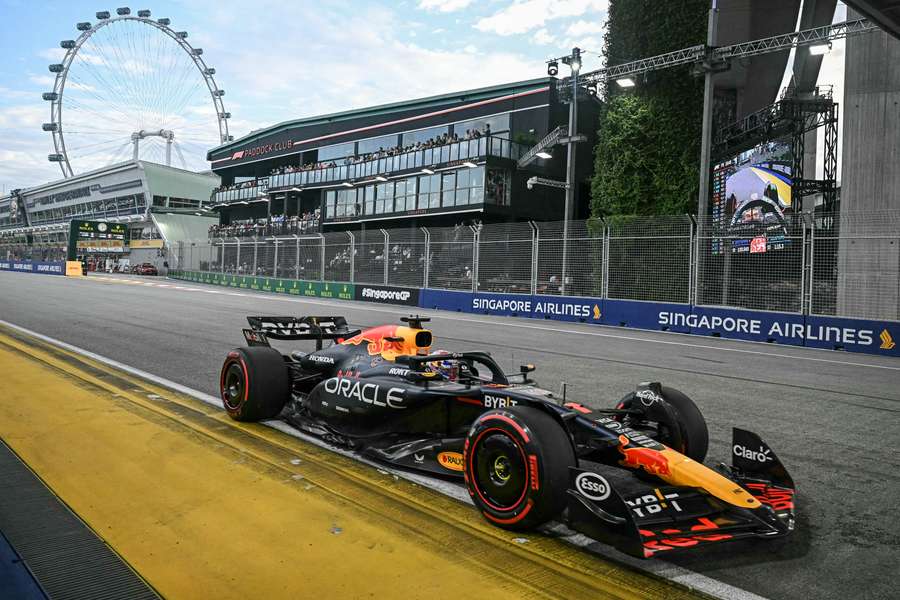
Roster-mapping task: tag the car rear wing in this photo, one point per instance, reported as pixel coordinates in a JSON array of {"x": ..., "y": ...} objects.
[{"x": 297, "y": 328}]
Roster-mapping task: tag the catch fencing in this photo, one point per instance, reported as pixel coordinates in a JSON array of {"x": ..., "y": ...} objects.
[{"x": 837, "y": 265}]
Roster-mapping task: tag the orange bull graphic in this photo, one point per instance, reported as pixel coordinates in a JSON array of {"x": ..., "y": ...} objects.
[
  {"x": 652, "y": 461},
  {"x": 375, "y": 339},
  {"x": 388, "y": 341}
]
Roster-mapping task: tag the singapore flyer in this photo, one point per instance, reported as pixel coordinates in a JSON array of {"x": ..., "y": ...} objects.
[{"x": 133, "y": 87}]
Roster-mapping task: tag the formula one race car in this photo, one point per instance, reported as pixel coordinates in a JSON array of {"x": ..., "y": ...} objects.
[{"x": 525, "y": 455}]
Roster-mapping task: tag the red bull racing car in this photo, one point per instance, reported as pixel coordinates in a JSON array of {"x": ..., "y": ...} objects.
[{"x": 631, "y": 475}]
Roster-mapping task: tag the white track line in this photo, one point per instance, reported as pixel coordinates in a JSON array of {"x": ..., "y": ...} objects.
[{"x": 686, "y": 577}]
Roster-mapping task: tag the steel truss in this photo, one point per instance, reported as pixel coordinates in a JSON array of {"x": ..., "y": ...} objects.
[
  {"x": 793, "y": 117},
  {"x": 713, "y": 58}
]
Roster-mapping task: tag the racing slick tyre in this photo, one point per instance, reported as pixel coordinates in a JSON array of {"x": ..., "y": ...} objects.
[
  {"x": 517, "y": 466},
  {"x": 254, "y": 383},
  {"x": 692, "y": 425}
]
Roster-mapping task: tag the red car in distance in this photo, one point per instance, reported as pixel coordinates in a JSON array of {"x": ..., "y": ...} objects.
[{"x": 145, "y": 269}]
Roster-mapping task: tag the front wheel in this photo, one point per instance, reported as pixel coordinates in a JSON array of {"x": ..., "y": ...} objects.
[
  {"x": 254, "y": 383},
  {"x": 693, "y": 434},
  {"x": 517, "y": 466}
]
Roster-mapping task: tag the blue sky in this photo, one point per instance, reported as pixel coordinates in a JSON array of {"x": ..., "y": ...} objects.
[{"x": 278, "y": 60}]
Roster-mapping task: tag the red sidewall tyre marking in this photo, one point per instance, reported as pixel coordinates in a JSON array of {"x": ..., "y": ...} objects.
[
  {"x": 474, "y": 480},
  {"x": 225, "y": 367},
  {"x": 512, "y": 520}
]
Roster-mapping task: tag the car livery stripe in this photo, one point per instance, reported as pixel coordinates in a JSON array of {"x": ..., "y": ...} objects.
[{"x": 469, "y": 400}]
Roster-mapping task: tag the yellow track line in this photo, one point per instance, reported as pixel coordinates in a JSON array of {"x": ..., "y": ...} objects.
[{"x": 201, "y": 505}]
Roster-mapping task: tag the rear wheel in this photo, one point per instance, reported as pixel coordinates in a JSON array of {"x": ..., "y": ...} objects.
[
  {"x": 254, "y": 384},
  {"x": 694, "y": 434},
  {"x": 517, "y": 466}
]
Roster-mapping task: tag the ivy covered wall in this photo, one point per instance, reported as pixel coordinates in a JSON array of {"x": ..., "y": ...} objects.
[{"x": 648, "y": 148}]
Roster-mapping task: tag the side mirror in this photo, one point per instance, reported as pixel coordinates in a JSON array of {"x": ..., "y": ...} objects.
[{"x": 526, "y": 368}]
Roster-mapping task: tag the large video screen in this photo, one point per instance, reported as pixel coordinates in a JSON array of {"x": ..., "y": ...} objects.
[{"x": 752, "y": 201}]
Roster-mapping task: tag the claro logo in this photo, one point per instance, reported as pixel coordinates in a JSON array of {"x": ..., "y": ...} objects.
[
  {"x": 762, "y": 455},
  {"x": 451, "y": 460},
  {"x": 592, "y": 486},
  {"x": 369, "y": 393},
  {"x": 376, "y": 294}
]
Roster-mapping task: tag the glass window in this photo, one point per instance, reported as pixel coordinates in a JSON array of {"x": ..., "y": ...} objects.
[
  {"x": 370, "y": 199},
  {"x": 423, "y": 135},
  {"x": 434, "y": 200},
  {"x": 496, "y": 125},
  {"x": 373, "y": 144},
  {"x": 384, "y": 197},
  {"x": 329, "y": 203},
  {"x": 400, "y": 188},
  {"x": 424, "y": 189},
  {"x": 336, "y": 151},
  {"x": 476, "y": 185},
  {"x": 462, "y": 179},
  {"x": 448, "y": 189}
]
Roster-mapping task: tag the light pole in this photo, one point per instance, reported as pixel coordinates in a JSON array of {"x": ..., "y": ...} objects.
[
  {"x": 574, "y": 62},
  {"x": 706, "y": 123}
]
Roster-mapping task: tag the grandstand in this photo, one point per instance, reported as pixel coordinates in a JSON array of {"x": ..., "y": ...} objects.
[
  {"x": 437, "y": 161},
  {"x": 161, "y": 205}
]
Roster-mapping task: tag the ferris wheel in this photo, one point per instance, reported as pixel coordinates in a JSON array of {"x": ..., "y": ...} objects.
[{"x": 132, "y": 87}]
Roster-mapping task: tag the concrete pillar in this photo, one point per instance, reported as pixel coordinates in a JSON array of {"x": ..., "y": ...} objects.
[{"x": 869, "y": 264}]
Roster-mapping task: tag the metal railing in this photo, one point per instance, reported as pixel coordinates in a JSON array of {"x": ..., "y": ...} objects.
[
  {"x": 255, "y": 228},
  {"x": 846, "y": 265},
  {"x": 338, "y": 171}
]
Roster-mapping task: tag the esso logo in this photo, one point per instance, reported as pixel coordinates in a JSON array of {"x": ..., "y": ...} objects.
[{"x": 592, "y": 486}]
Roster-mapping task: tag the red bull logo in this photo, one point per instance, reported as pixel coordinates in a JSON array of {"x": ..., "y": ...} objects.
[
  {"x": 652, "y": 461},
  {"x": 375, "y": 339}
]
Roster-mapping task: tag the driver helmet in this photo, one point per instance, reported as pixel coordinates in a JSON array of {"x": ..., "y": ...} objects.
[{"x": 448, "y": 369}]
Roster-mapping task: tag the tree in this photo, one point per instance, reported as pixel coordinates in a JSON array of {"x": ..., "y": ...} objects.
[{"x": 648, "y": 148}]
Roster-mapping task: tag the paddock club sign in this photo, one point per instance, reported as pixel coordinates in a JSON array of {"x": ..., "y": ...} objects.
[{"x": 262, "y": 150}]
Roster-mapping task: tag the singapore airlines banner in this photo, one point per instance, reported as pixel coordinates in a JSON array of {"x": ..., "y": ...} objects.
[{"x": 832, "y": 333}]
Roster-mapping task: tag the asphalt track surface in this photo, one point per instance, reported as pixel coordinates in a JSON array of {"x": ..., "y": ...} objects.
[{"x": 832, "y": 418}]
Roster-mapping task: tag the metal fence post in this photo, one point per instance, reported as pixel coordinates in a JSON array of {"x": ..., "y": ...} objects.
[
  {"x": 696, "y": 290},
  {"x": 535, "y": 240},
  {"x": 475, "y": 241},
  {"x": 275, "y": 259},
  {"x": 322, "y": 258},
  {"x": 812, "y": 264},
  {"x": 691, "y": 259},
  {"x": 255, "y": 253},
  {"x": 803, "y": 263},
  {"x": 427, "y": 254},
  {"x": 352, "y": 256},
  {"x": 237, "y": 256},
  {"x": 604, "y": 279},
  {"x": 222, "y": 265},
  {"x": 387, "y": 243}
]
